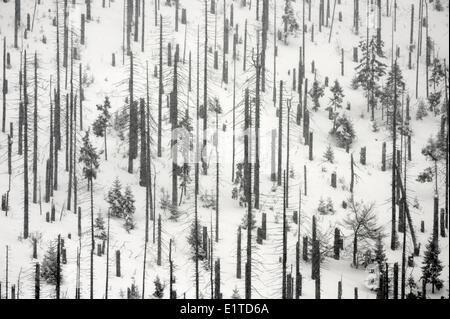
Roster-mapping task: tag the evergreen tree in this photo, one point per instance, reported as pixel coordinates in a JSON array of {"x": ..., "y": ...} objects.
[
  {"x": 316, "y": 93},
  {"x": 89, "y": 157},
  {"x": 380, "y": 256},
  {"x": 426, "y": 176},
  {"x": 411, "y": 284},
  {"x": 114, "y": 199},
  {"x": 236, "y": 294},
  {"x": 326, "y": 208},
  {"x": 421, "y": 111},
  {"x": 432, "y": 266},
  {"x": 99, "y": 226},
  {"x": 370, "y": 69},
  {"x": 395, "y": 84},
  {"x": 438, "y": 5},
  {"x": 238, "y": 190},
  {"x": 344, "y": 131},
  {"x": 329, "y": 154},
  {"x": 159, "y": 288},
  {"x": 133, "y": 292},
  {"x": 128, "y": 209},
  {"x": 437, "y": 74},
  {"x": 49, "y": 267},
  {"x": 191, "y": 241},
  {"x": 330, "y": 206},
  {"x": 102, "y": 122},
  {"x": 289, "y": 21},
  {"x": 434, "y": 99},
  {"x": 322, "y": 206},
  {"x": 337, "y": 97}
]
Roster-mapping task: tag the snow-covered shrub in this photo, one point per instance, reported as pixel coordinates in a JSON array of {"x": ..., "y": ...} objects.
[
  {"x": 344, "y": 131},
  {"x": 326, "y": 208},
  {"x": 375, "y": 127},
  {"x": 426, "y": 176},
  {"x": 208, "y": 200}
]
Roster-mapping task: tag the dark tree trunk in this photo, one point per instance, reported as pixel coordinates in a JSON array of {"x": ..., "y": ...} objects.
[
  {"x": 35, "y": 132},
  {"x": 161, "y": 85},
  {"x": 284, "y": 261},
  {"x": 205, "y": 94},
  {"x": 174, "y": 121},
  {"x": 280, "y": 133},
  {"x": 91, "y": 286},
  {"x": 143, "y": 154},
  {"x": 394, "y": 163},
  {"x": 4, "y": 87},
  {"x": 25, "y": 149}
]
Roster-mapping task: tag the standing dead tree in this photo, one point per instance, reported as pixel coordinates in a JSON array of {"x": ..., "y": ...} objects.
[{"x": 362, "y": 221}]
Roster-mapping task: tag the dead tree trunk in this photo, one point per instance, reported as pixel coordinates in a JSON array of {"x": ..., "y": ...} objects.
[
  {"x": 394, "y": 161},
  {"x": 4, "y": 86},
  {"x": 132, "y": 143},
  {"x": 174, "y": 121},
  {"x": 284, "y": 261},
  {"x": 248, "y": 178},
  {"x": 161, "y": 85},
  {"x": 280, "y": 133},
  {"x": 25, "y": 149},
  {"x": 143, "y": 154},
  {"x": 205, "y": 94},
  {"x": 35, "y": 132},
  {"x": 17, "y": 13}
]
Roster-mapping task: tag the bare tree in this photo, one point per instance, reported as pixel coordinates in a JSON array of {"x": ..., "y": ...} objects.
[{"x": 362, "y": 221}]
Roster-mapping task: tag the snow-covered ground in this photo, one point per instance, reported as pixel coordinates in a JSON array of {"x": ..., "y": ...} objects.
[{"x": 104, "y": 37}]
